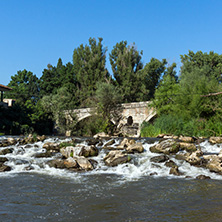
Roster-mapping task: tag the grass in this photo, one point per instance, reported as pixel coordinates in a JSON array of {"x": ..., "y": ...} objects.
[{"x": 174, "y": 125}]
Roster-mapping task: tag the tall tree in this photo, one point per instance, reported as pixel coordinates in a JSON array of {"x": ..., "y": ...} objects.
[
  {"x": 199, "y": 60},
  {"x": 25, "y": 87},
  {"x": 89, "y": 67},
  {"x": 60, "y": 105},
  {"x": 52, "y": 78},
  {"x": 26, "y": 116},
  {"x": 126, "y": 61},
  {"x": 165, "y": 96},
  {"x": 152, "y": 73}
]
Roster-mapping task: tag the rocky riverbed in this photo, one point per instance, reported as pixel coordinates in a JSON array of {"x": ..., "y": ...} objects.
[{"x": 168, "y": 156}]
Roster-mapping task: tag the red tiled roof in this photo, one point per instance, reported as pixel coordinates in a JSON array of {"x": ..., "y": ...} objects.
[{"x": 4, "y": 88}]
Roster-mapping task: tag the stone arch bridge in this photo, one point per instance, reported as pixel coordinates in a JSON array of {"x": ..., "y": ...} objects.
[{"x": 132, "y": 114}]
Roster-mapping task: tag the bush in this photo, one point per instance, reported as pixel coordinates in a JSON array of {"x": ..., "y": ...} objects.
[
  {"x": 170, "y": 124},
  {"x": 148, "y": 130}
]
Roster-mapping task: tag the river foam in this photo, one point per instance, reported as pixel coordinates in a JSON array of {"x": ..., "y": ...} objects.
[{"x": 23, "y": 160}]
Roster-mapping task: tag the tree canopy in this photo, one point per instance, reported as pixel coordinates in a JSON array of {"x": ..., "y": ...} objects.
[
  {"x": 89, "y": 67},
  {"x": 193, "y": 98}
]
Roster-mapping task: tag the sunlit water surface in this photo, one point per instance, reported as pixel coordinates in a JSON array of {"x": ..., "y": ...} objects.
[{"x": 122, "y": 193}]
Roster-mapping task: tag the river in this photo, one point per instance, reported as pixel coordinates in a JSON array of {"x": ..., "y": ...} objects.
[{"x": 123, "y": 193}]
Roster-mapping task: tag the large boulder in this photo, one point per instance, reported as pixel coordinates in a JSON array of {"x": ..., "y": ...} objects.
[
  {"x": 116, "y": 157},
  {"x": 136, "y": 147},
  {"x": 70, "y": 163},
  {"x": 215, "y": 140},
  {"x": 182, "y": 156},
  {"x": 43, "y": 154},
  {"x": 166, "y": 147},
  {"x": 84, "y": 163},
  {"x": 89, "y": 151}
]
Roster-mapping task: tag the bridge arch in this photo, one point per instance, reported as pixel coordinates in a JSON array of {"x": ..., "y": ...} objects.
[{"x": 131, "y": 113}]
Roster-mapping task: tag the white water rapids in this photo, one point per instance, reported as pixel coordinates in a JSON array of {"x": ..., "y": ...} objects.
[{"x": 23, "y": 160}]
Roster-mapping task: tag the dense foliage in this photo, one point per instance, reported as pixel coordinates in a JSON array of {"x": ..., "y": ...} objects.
[
  {"x": 185, "y": 103},
  {"x": 190, "y": 106}
]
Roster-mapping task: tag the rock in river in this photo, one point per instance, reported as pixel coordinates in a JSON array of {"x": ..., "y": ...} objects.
[
  {"x": 159, "y": 159},
  {"x": 116, "y": 157},
  {"x": 136, "y": 147},
  {"x": 166, "y": 147}
]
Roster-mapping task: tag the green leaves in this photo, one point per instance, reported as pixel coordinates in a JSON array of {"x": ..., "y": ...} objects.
[
  {"x": 126, "y": 62},
  {"x": 184, "y": 99},
  {"x": 89, "y": 67},
  {"x": 25, "y": 87}
]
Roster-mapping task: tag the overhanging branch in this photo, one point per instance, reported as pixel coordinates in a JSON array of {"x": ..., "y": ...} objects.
[{"x": 211, "y": 94}]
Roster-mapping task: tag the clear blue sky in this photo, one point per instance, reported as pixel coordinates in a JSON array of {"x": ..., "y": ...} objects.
[{"x": 34, "y": 33}]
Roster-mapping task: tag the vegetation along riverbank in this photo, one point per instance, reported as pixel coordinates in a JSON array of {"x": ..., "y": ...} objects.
[{"x": 187, "y": 103}]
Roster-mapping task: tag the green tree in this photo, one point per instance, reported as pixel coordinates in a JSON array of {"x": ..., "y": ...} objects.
[
  {"x": 152, "y": 73},
  {"x": 89, "y": 67},
  {"x": 192, "y": 85},
  {"x": 25, "y": 87},
  {"x": 28, "y": 114},
  {"x": 165, "y": 97},
  {"x": 211, "y": 60},
  {"x": 193, "y": 105},
  {"x": 52, "y": 78},
  {"x": 126, "y": 62},
  {"x": 108, "y": 100},
  {"x": 60, "y": 106}
]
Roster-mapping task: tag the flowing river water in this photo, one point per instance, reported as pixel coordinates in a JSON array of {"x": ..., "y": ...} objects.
[{"x": 33, "y": 191}]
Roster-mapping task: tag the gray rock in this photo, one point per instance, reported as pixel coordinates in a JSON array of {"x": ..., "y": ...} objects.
[{"x": 159, "y": 159}]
